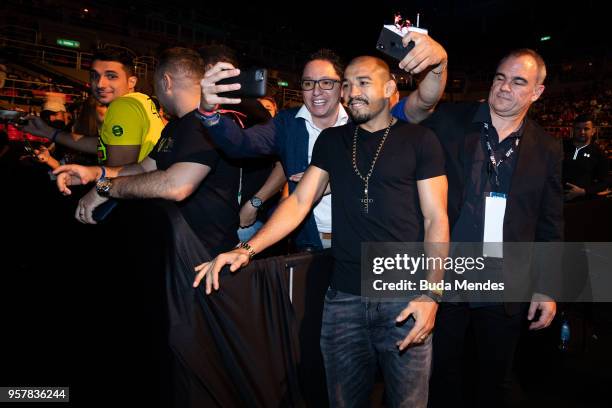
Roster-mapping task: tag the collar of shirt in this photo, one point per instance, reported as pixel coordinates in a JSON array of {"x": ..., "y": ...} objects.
[
  {"x": 579, "y": 149},
  {"x": 483, "y": 115},
  {"x": 305, "y": 114}
]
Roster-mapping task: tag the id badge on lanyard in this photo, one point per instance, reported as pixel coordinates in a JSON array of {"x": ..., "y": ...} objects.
[{"x": 494, "y": 212}]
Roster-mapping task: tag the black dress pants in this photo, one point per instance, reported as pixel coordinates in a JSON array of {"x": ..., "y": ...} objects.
[{"x": 495, "y": 333}]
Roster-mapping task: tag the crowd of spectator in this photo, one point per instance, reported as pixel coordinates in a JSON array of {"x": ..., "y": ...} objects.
[{"x": 562, "y": 110}]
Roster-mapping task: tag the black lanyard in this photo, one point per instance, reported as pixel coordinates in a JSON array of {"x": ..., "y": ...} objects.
[{"x": 493, "y": 163}]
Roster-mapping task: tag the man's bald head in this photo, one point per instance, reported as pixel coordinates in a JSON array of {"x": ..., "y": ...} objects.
[{"x": 378, "y": 66}]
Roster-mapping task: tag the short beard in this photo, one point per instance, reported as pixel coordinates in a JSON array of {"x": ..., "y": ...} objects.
[{"x": 359, "y": 118}]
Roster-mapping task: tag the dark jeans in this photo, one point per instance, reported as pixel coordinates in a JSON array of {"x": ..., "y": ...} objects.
[
  {"x": 496, "y": 334},
  {"x": 357, "y": 334}
]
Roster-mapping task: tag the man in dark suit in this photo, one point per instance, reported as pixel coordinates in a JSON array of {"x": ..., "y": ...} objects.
[{"x": 495, "y": 154}]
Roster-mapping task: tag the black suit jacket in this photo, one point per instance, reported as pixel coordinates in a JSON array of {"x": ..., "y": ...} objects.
[{"x": 534, "y": 207}]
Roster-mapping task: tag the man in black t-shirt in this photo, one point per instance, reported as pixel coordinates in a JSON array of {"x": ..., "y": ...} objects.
[
  {"x": 210, "y": 210},
  {"x": 403, "y": 199},
  {"x": 184, "y": 166},
  {"x": 585, "y": 167}
]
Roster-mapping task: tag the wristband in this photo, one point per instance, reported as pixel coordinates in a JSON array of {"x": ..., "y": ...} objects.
[
  {"x": 210, "y": 113},
  {"x": 211, "y": 120},
  {"x": 441, "y": 71},
  {"x": 434, "y": 295},
  {"x": 55, "y": 135},
  {"x": 103, "y": 176}
]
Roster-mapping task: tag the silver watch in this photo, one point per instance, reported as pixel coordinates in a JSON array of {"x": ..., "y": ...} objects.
[
  {"x": 104, "y": 186},
  {"x": 256, "y": 202}
]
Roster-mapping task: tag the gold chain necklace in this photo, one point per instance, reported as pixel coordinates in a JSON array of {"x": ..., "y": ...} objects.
[{"x": 366, "y": 180}]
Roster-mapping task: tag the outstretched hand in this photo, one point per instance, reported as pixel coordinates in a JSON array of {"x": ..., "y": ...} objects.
[
  {"x": 210, "y": 270},
  {"x": 73, "y": 174}
]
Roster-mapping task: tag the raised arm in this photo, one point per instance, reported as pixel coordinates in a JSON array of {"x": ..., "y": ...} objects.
[
  {"x": 259, "y": 140},
  {"x": 429, "y": 59}
]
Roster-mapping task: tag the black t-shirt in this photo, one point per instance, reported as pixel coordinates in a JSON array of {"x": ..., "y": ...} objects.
[
  {"x": 212, "y": 209},
  {"x": 588, "y": 170},
  {"x": 410, "y": 153}
]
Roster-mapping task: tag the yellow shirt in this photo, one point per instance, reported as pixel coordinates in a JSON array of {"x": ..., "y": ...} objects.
[{"x": 132, "y": 120}]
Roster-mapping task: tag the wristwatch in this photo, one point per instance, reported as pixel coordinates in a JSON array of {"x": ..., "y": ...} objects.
[
  {"x": 435, "y": 295},
  {"x": 256, "y": 202},
  {"x": 245, "y": 245},
  {"x": 104, "y": 186}
]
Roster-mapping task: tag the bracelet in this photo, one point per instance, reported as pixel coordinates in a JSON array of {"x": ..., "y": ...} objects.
[
  {"x": 210, "y": 113},
  {"x": 209, "y": 121},
  {"x": 245, "y": 245},
  {"x": 441, "y": 71},
  {"x": 103, "y": 176},
  {"x": 55, "y": 135},
  {"x": 434, "y": 295}
]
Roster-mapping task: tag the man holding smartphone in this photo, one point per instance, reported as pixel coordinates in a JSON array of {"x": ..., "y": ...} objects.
[
  {"x": 293, "y": 132},
  {"x": 401, "y": 166}
]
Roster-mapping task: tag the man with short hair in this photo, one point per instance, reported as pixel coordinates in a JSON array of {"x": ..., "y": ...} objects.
[
  {"x": 404, "y": 200},
  {"x": 292, "y": 133},
  {"x": 184, "y": 166},
  {"x": 495, "y": 154},
  {"x": 131, "y": 126},
  {"x": 585, "y": 167}
]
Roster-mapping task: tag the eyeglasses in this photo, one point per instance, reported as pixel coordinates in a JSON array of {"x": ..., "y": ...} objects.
[{"x": 325, "y": 84}]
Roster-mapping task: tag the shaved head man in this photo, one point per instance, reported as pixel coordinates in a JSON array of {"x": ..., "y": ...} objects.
[{"x": 388, "y": 184}]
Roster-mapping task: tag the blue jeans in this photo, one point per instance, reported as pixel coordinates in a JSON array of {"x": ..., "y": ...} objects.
[{"x": 357, "y": 334}]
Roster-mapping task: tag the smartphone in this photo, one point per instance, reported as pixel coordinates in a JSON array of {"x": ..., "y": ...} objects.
[
  {"x": 253, "y": 84},
  {"x": 101, "y": 212},
  {"x": 390, "y": 41},
  {"x": 29, "y": 149}
]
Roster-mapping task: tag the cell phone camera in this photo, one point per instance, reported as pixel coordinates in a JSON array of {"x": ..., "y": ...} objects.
[{"x": 21, "y": 121}]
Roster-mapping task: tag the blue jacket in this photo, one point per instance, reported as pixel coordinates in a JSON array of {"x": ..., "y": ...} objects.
[{"x": 284, "y": 136}]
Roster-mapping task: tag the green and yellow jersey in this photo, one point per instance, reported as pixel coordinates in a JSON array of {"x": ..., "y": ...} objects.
[{"x": 131, "y": 120}]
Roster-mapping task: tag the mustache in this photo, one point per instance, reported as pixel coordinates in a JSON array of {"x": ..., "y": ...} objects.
[
  {"x": 358, "y": 99},
  {"x": 505, "y": 95}
]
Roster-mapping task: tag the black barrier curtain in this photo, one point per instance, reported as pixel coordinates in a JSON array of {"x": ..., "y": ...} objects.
[{"x": 237, "y": 347}]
